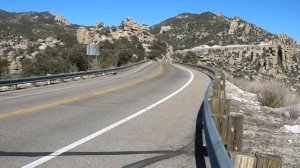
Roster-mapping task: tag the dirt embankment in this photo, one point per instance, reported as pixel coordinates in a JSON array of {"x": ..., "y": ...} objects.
[{"x": 263, "y": 131}]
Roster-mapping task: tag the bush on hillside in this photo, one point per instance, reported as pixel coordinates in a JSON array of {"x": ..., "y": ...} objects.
[
  {"x": 190, "y": 58},
  {"x": 158, "y": 49},
  {"x": 121, "y": 51},
  {"x": 3, "y": 66},
  {"x": 56, "y": 60},
  {"x": 271, "y": 93}
]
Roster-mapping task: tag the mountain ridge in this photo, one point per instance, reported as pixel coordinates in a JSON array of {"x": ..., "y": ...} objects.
[
  {"x": 271, "y": 54},
  {"x": 190, "y": 30}
]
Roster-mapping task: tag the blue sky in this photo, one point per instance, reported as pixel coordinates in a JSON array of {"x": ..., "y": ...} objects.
[{"x": 276, "y": 16}]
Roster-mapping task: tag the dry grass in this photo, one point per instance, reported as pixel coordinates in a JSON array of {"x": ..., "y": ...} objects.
[{"x": 271, "y": 93}]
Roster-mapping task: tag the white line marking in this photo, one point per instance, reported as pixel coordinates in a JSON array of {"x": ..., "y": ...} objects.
[
  {"x": 81, "y": 141},
  {"x": 30, "y": 94}
]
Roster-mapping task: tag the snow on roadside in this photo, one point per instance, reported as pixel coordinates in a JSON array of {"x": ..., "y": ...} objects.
[
  {"x": 266, "y": 131},
  {"x": 294, "y": 129},
  {"x": 235, "y": 93}
]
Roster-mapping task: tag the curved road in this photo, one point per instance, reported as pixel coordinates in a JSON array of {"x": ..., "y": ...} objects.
[{"x": 144, "y": 117}]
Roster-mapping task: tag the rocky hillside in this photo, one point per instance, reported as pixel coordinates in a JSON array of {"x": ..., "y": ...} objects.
[
  {"x": 29, "y": 39},
  {"x": 34, "y": 25},
  {"x": 129, "y": 29},
  {"x": 27, "y": 34},
  {"x": 262, "y": 61},
  {"x": 191, "y": 30},
  {"x": 232, "y": 44}
]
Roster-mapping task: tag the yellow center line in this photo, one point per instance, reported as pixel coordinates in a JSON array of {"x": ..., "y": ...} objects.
[{"x": 78, "y": 98}]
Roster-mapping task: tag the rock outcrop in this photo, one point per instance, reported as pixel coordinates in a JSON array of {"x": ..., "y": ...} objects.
[
  {"x": 129, "y": 29},
  {"x": 86, "y": 36},
  {"x": 164, "y": 29},
  {"x": 15, "y": 49},
  {"x": 234, "y": 24},
  {"x": 278, "y": 58},
  {"x": 61, "y": 20}
]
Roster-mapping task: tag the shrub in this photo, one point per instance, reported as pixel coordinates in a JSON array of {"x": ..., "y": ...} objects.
[
  {"x": 124, "y": 57},
  {"x": 270, "y": 98},
  {"x": 56, "y": 60},
  {"x": 158, "y": 48},
  {"x": 190, "y": 57},
  {"x": 271, "y": 93},
  {"x": 295, "y": 114},
  {"x": 3, "y": 66}
]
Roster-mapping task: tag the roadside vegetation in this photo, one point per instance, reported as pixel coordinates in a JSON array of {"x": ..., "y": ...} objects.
[
  {"x": 158, "y": 49},
  {"x": 189, "y": 58},
  {"x": 121, "y": 52},
  {"x": 71, "y": 57},
  {"x": 62, "y": 59},
  {"x": 271, "y": 93},
  {"x": 3, "y": 67}
]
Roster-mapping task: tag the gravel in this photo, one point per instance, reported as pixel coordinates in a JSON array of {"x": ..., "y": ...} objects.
[{"x": 263, "y": 128}]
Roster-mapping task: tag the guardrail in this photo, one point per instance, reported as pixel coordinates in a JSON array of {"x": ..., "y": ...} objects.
[
  {"x": 14, "y": 84},
  {"x": 218, "y": 155},
  {"x": 223, "y": 127}
]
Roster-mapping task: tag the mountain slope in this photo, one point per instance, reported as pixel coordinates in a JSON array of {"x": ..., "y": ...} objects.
[
  {"x": 234, "y": 45},
  {"x": 191, "y": 30},
  {"x": 25, "y": 35},
  {"x": 34, "y": 25}
]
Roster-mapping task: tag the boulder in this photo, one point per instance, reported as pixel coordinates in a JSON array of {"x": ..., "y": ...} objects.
[
  {"x": 43, "y": 47},
  {"x": 234, "y": 24},
  {"x": 164, "y": 29},
  {"x": 81, "y": 34},
  {"x": 61, "y": 20},
  {"x": 99, "y": 25},
  {"x": 49, "y": 39}
]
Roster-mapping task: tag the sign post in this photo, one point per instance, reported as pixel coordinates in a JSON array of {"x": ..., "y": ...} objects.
[{"x": 92, "y": 50}]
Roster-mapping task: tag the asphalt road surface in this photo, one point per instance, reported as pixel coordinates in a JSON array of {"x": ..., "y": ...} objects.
[{"x": 144, "y": 117}]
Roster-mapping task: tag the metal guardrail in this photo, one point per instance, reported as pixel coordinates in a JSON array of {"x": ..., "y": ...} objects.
[
  {"x": 11, "y": 82},
  {"x": 217, "y": 153}
]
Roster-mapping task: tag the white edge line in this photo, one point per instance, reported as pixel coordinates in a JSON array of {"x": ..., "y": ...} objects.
[
  {"x": 81, "y": 141},
  {"x": 30, "y": 94}
]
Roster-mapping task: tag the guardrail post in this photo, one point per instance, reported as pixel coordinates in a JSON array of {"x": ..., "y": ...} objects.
[
  {"x": 268, "y": 161},
  {"x": 220, "y": 106},
  {"x": 221, "y": 122},
  {"x": 241, "y": 160},
  {"x": 235, "y": 132},
  {"x": 33, "y": 84},
  {"x": 14, "y": 87}
]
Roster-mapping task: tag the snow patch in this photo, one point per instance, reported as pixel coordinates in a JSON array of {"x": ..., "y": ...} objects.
[
  {"x": 294, "y": 129},
  {"x": 205, "y": 47},
  {"x": 235, "y": 93}
]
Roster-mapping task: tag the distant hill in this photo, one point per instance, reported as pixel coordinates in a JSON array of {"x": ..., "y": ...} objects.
[
  {"x": 34, "y": 25},
  {"x": 232, "y": 44},
  {"x": 38, "y": 43},
  {"x": 190, "y": 30},
  {"x": 26, "y": 35}
]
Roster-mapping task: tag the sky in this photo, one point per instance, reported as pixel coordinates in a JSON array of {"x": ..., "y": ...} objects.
[{"x": 275, "y": 16}]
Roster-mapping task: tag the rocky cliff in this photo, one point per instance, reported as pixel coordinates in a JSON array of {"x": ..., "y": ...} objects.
[
  {"x": 128, "y": 29},
  {"x": 279, "y": 59}
]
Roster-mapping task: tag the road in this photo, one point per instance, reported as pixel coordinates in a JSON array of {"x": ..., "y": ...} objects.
[{"x": 144, "y": 117}]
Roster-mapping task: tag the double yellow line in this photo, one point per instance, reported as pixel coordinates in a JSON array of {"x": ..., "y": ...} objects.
[{"x": 78, "y": 98}]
